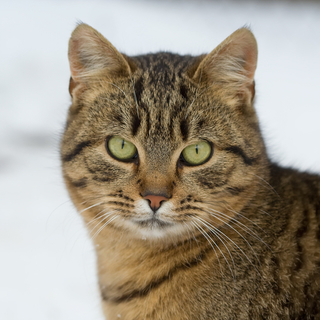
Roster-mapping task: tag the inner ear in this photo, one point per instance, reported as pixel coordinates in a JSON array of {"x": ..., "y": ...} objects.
[
  {"x": 72, "y": 85},
  {"x": 252, "y": 89}
]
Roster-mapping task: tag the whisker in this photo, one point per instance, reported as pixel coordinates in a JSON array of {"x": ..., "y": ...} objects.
[
  {"x": 244, "y": 217},
  {"x": 225, "y": 236},
  {"x": 109, "y": 221},
  {"x": 232, "y": 273},
  {"x": 121, "y": 91},
  {"x": 227, "y": 224},
  {"x": 242, "y": 226},
  {"x": 267, "y": 213},
  {"x": 206, "y": 237},
  {"x": 232, "y": 219},
  {"x": 94, "y": 205},
  {"x": 213, "y": 229},
  {"x": 99, "y": 216},
  {"x": 53, "y": 211},
  {"x": 268, "y": 185},
  {"x": 238, "y": 214}
]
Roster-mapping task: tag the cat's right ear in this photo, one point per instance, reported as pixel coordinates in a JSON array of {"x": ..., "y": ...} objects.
[{"x": 92, "y": 57}]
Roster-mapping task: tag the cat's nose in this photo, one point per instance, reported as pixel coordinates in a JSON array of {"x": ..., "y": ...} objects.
[{"x": 155, "y": 201}]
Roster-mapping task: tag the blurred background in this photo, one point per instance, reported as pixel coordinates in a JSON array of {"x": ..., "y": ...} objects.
[{"x": 47, "y": 266}]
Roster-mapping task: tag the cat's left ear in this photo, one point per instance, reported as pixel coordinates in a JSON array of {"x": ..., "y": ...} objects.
[{"x": 230, "y": 68}]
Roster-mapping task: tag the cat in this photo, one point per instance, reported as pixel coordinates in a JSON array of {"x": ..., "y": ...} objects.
[{"x": 163, "y": 157}]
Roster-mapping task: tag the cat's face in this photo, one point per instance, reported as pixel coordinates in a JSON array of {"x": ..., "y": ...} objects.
[{"x": 163, "y": 150}]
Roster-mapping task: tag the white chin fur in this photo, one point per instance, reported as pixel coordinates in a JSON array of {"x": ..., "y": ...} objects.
[{"x": 153, "y": 231}]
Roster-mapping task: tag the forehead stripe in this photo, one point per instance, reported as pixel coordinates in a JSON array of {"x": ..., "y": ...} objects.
[
  {"x": 184, "y": 129},
  {"x": 135, "y": 124}
]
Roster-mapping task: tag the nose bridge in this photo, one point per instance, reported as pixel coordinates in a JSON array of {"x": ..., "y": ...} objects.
[
  {"x": 156, "y": 169},
  {"x": 158, "y": 153},
  {"x": 157, "y": 184}
]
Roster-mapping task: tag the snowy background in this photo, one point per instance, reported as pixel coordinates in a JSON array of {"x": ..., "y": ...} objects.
[{"x": 47, "y": 265}]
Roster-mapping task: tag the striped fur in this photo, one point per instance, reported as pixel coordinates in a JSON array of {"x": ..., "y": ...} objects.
[{"x": 238, "y": 237}]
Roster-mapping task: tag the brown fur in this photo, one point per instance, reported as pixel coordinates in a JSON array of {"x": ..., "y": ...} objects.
[{"x": 243, "y": 239}]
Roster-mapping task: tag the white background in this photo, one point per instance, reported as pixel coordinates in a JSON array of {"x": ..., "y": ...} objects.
[{"x": 47, "y": 266}]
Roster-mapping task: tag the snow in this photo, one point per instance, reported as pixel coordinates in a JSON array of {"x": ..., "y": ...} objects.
[{"x": 47, "y": 268}]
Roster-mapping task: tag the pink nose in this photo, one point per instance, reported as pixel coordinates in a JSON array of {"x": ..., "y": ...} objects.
[{"x": 155, "y": 201}]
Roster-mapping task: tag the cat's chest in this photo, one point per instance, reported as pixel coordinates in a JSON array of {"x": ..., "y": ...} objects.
[
  {"x": 129, "y": 265},
  {"x": 158, "y": 277}
]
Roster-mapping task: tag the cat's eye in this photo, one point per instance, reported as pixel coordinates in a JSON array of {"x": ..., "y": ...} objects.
[
  {"x": 197, "y": 153},
  {"x": 121, "y": 149}
]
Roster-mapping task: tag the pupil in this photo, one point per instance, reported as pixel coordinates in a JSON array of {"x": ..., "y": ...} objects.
[
  {"x": 122, "y": 145},
  {"x": 197, "y": 149}
]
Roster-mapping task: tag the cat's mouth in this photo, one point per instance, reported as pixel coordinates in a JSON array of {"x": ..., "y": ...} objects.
[{"x": 153, "y": 223}]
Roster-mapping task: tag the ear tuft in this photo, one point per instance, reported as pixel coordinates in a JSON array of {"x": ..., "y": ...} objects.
[
  {"x": 93, "y": 56},
  {"x": 231, "y": 65}
]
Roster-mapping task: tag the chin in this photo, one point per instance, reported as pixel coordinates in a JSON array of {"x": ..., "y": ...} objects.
[{"x": 155, "y": 229}]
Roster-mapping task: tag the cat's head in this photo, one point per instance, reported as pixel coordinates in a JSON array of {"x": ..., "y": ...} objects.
[{"x": 161, "y": 145}]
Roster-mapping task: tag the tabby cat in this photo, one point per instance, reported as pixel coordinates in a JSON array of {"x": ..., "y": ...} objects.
[{"x": 163, "y": 156}]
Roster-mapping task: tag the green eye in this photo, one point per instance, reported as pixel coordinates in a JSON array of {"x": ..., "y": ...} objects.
[
  {"x": 198, "y": 153},
  {"x": 120, "y": 148}
]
